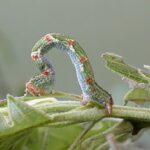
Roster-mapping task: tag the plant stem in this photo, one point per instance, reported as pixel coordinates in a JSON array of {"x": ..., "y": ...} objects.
[
  {"x": 131, "y": 113},
  {"x": 93, "y": 114},
  {"x": 78, "y": 139},
  {"x": 71, "y": 112}
]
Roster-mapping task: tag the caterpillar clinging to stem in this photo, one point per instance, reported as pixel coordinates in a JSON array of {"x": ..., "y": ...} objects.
[{"x": 43, "y": 83}]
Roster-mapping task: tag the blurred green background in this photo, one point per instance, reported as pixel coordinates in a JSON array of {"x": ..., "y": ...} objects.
[{"x": 122, "y": 27}]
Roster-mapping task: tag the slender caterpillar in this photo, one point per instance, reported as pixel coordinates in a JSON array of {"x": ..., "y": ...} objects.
[{"x": 43, "y": 83}]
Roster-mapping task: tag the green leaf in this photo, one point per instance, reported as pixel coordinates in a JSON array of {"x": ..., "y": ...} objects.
[
  {"x": 53, "y": 138},
  {"x": 117, "y": 64},
  {"x": 18, "y": 122},
  {"x": 138, "y": 95},
  {"x": 23, "y": 116}
]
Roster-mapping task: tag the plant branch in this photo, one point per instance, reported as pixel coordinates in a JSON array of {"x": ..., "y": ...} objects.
[
  {"x": 78, "y": 139},
  {"x": 61, "y": 113}
]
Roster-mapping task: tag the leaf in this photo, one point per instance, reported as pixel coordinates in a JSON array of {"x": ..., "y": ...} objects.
[
  {"x": 138, "y": 95},
  {"x": 117, "y": 64},
  {"x": 19, "y": 126},
  {"x": 17, "y": 122},
  {"x": 97, "y": 136},
  {"x": 53, "y": 138}
]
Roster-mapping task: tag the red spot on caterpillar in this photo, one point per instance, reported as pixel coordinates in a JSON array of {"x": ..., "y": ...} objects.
[
  {"x": 48, "y": 38},
  {"x": 32, "y": 89},
  {"x": 70, "y": 42},
  {"x": 34, "y": 56},
  {"x": 83, "y": 59},
  {"x": 89, "y": 80},
  {"x": 46, "y": 73}
]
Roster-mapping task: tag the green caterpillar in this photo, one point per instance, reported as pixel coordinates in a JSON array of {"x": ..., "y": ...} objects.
[{"x": 43, "y": 83}]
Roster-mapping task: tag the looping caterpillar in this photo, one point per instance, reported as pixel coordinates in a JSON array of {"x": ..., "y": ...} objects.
[{"x": 43, "y": 83}]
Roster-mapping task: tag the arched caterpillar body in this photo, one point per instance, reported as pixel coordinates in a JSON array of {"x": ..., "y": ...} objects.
[{"x": 43, "y": 83}]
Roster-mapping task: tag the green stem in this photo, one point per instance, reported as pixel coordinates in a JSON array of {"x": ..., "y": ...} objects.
[
  {"x": 62, "y": 111},
  {"x": 78, "y": 139},
  {"x": 131, "y": 113},
  {"x": 69, "y": 112},
  {"x": 126, "y": 112}
]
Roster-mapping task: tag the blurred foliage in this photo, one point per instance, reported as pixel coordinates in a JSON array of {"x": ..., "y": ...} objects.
[
  {"x": 6, "y": 56},
  {"x": 6, "y": 52}
]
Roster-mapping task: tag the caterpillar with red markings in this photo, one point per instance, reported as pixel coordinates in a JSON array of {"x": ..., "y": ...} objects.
[{"x": 43, "y": 83}]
